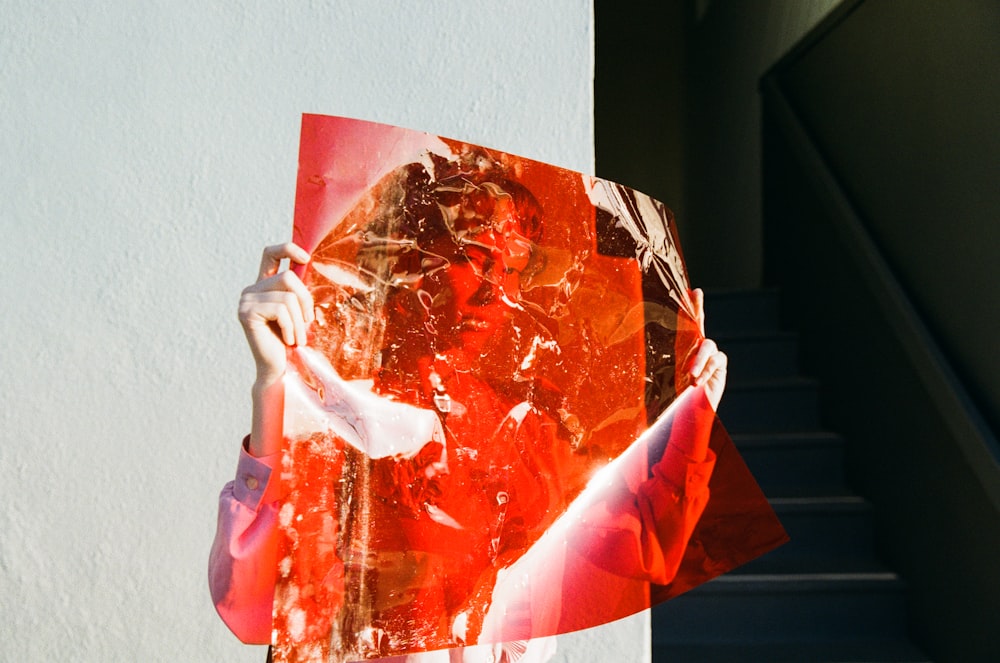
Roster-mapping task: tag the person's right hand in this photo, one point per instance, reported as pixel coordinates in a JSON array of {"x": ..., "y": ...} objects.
[{"x": 276, "y": 311}]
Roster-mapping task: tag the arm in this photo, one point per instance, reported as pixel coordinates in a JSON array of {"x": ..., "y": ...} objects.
[
  {"x": 650, "y": 528},
  {"x": 644, "y": 527},
  {"x": 275, "y": 313}
]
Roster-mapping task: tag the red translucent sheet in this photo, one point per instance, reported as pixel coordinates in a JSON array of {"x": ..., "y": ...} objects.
[{"x": 490, "y": 435}]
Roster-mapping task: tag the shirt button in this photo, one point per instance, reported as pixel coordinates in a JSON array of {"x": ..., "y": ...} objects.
[{"x": 252, "y": 483}]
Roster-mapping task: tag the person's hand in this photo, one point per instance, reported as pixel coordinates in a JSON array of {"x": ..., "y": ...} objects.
[
  {"x": 709, "y": 365},
  {"x": 275, "y": 311}
]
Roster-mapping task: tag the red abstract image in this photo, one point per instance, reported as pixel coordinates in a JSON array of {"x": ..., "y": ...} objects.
[{"x": 491, "y": 435}]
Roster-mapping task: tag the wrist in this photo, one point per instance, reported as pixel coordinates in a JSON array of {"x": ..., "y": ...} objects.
[
  {"x": 265, "y": 381},
  {"x": 268, "y": 394}
]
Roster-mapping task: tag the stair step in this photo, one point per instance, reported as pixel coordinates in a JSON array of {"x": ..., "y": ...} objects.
[
  {"x": 822, "y": 597},
  {"x": 787, "y": 608},
  {"x": 784, "y": 560},
  {"x": 740, "y": 311},
  {"x": 800, "y": 463},
  {"x": 827, "y": 534},
  {"x": 759, "y": 355},
  {"x": 860, "y": 651},
  {"x": 771, "y": 406}
]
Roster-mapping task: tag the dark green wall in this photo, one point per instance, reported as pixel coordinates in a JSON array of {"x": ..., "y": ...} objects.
[
  {"x": 677, "y": 115},
  {"x": 639, "y": 95},
  {"x": 904, "y": 100},
  {"x": 936, "y": 525}
]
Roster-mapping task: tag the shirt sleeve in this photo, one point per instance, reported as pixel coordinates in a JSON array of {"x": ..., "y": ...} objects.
[
  {"x": 642, "y": 528},
  {"x": 242, "y": 567}
]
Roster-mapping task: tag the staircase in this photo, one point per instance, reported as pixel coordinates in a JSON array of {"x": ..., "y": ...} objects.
[{"x": 822, "y": 597}]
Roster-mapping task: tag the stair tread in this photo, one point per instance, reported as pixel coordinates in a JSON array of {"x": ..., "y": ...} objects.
[
  {"x": 796, "y": 491},
  {"x": 736, "y": 291},
  {"x": 826, "y": 503},
  {"x": 755, "y": 335},
  {"x": 821, "y": 563},
  {"x": 736, "y": 335},
  {"x": 781, "y": 438},
  {"x": 778, "y": 382},
  {"x": 824, "y": 578},
  {"x": 840, "y": 651},
  {"x": 816, "y": 582}
]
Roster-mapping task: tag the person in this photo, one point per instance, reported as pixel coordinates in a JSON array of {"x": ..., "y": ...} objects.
[{"x": 472, "y": 240}]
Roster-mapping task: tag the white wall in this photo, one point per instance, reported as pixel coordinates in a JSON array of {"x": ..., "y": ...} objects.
[{"x": 147, "y": 152}]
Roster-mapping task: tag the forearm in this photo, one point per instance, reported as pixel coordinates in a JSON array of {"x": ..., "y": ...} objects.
[
  {"x": 672, "y": 500},
  {"x": 690, "y": 430},
  {"x": 643, "y": 524},
  {"x": 268, "y": 404}
]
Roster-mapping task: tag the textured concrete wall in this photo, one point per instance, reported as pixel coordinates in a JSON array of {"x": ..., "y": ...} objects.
[{"x": 147, "y": 152}]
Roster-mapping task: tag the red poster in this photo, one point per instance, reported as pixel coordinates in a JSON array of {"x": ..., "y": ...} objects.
[{"x": 491, "y": 435}]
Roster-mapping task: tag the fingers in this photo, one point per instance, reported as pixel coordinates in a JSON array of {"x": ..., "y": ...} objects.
[
  {"x": 270, "y": 261},
  {"x": 706, "y": 360},
  {"x": 288, "y": 282},
  {"x": 272, "y": 321},
  {"x": 698, "y": 299},
  {"x": 282, "y": 308},
  {"x": 276, "y": 310},
  {"x": 716, "y": 367},
  {"x": 709, "y": 368}
]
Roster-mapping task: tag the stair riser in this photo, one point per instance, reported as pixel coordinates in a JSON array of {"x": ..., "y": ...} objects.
[
  {"x": 771, "y": 409},
  {"x": 825, "y": 585},
  {"x": 784, "y": 470},
  {"x": 846, "y": 537},
  {"x": 741, "y": 312},
  {"x": 837, "y": 651},
  {"x": 759, "y": 358},
  {"x": 779, "y": 617}
]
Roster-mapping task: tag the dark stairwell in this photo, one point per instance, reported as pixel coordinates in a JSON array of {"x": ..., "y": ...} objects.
[
  {"x": 876, "y": 220},
  {"x": 824, "y": 596}
]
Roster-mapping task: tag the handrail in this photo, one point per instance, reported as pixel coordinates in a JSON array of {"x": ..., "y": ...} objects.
[{"x": 963, "y": 419}]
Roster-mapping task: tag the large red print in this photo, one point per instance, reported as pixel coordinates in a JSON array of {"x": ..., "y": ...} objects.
[{"x": 491, "y": 437}]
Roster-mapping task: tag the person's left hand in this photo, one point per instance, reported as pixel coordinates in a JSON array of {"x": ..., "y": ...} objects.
[{"x": 708, "y": 368}]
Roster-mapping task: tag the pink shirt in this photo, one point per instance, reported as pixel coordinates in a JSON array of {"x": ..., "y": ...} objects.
[{"x": 242, "y": 568}]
